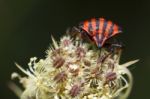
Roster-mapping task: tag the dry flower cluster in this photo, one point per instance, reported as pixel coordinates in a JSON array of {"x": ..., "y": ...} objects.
[{"x": 72, "y": 70}]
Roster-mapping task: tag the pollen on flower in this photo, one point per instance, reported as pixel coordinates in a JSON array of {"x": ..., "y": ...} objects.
[
  {"x": 87, "y": 63},
  {"x": 58, "y": 62},
  {"x": 72, "y": 70},
  {"x": 66, "y": 41},
  {"x": 111, "y": 76},
  {"x": 75, "y": 90},
  {"x": 80, "y": 52},
  {"x": 60, "y": 77}
]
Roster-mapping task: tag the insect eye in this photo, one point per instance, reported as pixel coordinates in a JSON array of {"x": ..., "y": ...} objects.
[{"x": 82, "y": 31}]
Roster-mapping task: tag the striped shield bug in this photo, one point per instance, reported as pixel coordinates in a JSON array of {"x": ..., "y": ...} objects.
[{"x": 97, "y": 30}]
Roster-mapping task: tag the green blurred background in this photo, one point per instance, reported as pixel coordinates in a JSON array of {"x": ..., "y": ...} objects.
[{"x": 26, "y": 27}]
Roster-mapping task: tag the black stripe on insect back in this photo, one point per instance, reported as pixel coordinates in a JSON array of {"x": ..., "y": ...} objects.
[
  {"x": 97, "y": 25},
  {"x": 97, "y": 30},
  {"x": 97, "y": 38},
  {"x": 103, "y": 31},
  {"x": 90, "y": 28},
  {"x": 111, "y": 30},
  {"x": 83, "y": 32}
]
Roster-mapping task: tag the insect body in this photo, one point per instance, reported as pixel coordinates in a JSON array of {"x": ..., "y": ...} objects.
[{"x": 98, "y": 30}]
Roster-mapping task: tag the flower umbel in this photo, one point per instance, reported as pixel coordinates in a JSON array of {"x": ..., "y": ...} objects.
[{"x": 71, "y": 70}]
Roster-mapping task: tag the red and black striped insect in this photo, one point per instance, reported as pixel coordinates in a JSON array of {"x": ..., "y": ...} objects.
[{"x": 98, "y": 30}]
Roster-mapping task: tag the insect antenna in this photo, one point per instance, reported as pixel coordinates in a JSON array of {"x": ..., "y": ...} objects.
[{"x": 73, "y": 31}]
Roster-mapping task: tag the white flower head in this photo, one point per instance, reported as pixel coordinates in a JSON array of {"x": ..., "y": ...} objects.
[{"x": 73, "y": 71}]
